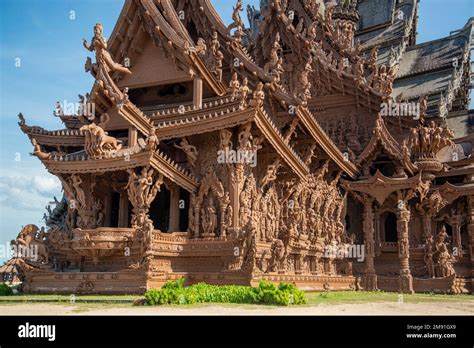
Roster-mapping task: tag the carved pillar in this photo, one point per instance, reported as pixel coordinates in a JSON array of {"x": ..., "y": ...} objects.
[
  {"x": 377, "y": 233},
  {"x": 142, "y": 189},
  {"x": 174, "y": 208},
  {"x": 197, "y": 92},
  {"x": 403, "y": 220},
  {"x": 427, "y": 226},
  {"x": 132, "y": 136},
  {"x": 123, "y": 210},
  {"x": 197, "y": 226},
  {"x": 370, "y": 277},
  {"x": 470, "y": 229},
  {"x": 222, "y": 208},
  {"x": 237, "y": 179},
  {"x": 79, "y": 190},
  {"x": 456, "y": 219}
]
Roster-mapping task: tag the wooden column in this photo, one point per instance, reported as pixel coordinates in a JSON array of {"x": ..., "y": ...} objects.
[
  {"x": 174, "y": 209},
  {"x": 427, "y": 227},
  {"x": 197, "y": 92},
  {"x": 197, "y": 226},
  {"x": 403, "y": 220},
  {"x": 237, "y": 179},
  {"x": 370, "y": 277},
  {"x": 123, "y": 209},
  {"x": 132, "y": 136},
  {"x": 377, "y": 233}
]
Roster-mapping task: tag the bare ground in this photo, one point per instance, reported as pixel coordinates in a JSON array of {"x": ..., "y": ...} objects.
[{"x": 379, "y": 308}]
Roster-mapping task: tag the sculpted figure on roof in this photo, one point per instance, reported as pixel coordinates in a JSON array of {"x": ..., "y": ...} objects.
[
  {"x": 103, "y": 57},
  {"x": 98, "y": 143},
  {"x": 258, "y": 96},
  {"x": 190, "y": 151},
  {"x": 234, "y": 85},
  {"x": 427, "y": 140},
  {"x": 38, "y": 152},
  {"x": 244, "y": 91},
  {"x": 273, "y": 60},
  {"x": 237, "y": 20},
  {"x": 303, "y": 85}
]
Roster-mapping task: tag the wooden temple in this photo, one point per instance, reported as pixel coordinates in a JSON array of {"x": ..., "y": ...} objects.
[{"x": 228, "y": 155}]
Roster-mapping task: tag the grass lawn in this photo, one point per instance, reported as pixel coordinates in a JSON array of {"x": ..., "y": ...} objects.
[
  {"x": 313, "y": 298},
  {"x": 380, "y": 296}
]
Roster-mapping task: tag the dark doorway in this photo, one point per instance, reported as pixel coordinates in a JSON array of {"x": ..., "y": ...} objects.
[
  {"x": 160, "y": 210},
  {"x": 390, "y": 228},
  {"x": 449, "y": 230},
  {"x": 183, "y": 210},
  {"x": 114, "y": 212}
]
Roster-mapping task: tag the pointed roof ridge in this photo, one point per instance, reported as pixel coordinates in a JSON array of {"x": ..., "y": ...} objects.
[{"x": 381, "y": 137}]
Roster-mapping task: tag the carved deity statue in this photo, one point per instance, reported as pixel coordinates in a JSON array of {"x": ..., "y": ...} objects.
[
  {"x": 226, "y": 140},
  {"x": 443, "y": 256},
  {"x": 236, "y": 19},
  {"x": 234, "y": 86},
  {"x": 244, "y": 91},
  {"x": 428, "y": 256},
  {"x": 190, "y": 151},
  {"x": 258, "y": 96},
  {"x": 245, "y": 137},
  {"x": 209, "y": 218},
  {"x": 103, "y": 57}
]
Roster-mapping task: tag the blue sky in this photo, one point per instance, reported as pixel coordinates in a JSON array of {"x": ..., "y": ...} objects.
[{"x": 47, "y": 38}]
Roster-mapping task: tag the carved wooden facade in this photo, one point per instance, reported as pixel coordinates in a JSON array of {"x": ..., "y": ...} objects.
[{"x": 228, "y": 155}]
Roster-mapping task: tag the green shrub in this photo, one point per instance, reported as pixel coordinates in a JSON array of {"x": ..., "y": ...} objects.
[
  {"x": 5, "y": 290},
  {"x": 266, "y": 293}
]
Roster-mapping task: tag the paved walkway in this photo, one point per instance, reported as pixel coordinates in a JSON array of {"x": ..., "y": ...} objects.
[{"x": 379, "y": 308}]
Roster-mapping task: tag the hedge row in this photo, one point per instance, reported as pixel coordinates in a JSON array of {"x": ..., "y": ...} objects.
[
  {"x": 5, "y": 290},
  {"x": 266, "y": 293}
]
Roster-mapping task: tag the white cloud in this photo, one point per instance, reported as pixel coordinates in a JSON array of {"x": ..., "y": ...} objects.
[
  {"x": 27, "y": 192},
  {"x": 23, "y": 199}
]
